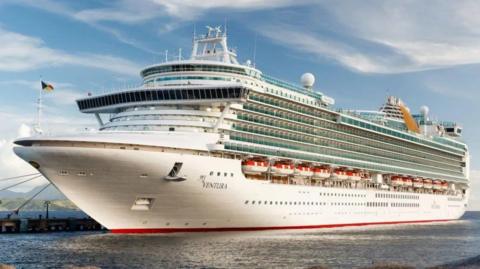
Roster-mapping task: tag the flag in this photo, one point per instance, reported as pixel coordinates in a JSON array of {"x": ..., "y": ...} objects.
[{"x": 47, "y": 87}]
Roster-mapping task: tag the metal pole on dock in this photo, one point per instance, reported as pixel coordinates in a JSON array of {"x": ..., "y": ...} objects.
[{"x": 47, "y": 203}]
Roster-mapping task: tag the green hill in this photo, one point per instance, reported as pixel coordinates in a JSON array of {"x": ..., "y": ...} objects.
[{"x": 36, "y": 205}]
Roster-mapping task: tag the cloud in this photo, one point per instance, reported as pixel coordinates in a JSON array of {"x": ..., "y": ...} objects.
[
  {"x": 17, "y": 124},
  {"x": 192, "y": 9},
  {"x": 311, "y": 43},
  {"x": 19, "y": 52},
  {"x": 170, "y": 14},
  {"x": 64, "y": 93},
  {"x": 130, "y": 12},
  {"x": 11, "y": 165},
  {"x": 385, "y": 36}
]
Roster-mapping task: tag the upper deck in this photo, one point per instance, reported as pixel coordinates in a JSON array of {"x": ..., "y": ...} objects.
[{"x": 214, "y": 77}]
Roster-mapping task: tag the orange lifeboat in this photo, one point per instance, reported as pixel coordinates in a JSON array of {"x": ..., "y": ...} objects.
[
  {"x": 353, "y": 175},
  {"x": 418, "y": 183},
  {"x": 322, "y": 173},
  {"x": 444, "y": 185},
  {"x": 427, "y": 183},
  {"x": 254, "y": 167},
  {"x": 340, "y": 173},
  {"x": 283, "y": 169},
  {"x": 407, "y": 181},
  {"x": 437, "y": 185},
  {"x": 397, "y": 181},
  {"x": 304, "y": 171}
]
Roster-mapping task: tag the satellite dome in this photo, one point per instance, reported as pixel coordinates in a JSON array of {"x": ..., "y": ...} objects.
[
  {"x": 424, "y": 110},
  {"x": 307, "y": 80}
]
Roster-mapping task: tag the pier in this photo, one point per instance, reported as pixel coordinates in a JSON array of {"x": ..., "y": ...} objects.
[{"x": 29, "y": 225}]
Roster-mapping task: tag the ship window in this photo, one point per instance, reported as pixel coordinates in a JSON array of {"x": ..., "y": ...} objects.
[
  {"x": 138, "y": 97},
  {"x": 214, "y": 94},
  {"x": 231, "y": 174},
  {"x": 225, "y": 174},
  {"x": 211, "y": 173},
  {"x": 171, "y": 93},
  {"x": 208, "y": 94},
  {"x": 218, "y": 173},
  {"x": 246, "y": 202}
]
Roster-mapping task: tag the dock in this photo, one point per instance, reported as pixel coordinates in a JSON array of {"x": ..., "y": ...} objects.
[{"x": 29, "y": 225}]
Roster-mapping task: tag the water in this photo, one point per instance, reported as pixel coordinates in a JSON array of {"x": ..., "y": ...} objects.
[{"x": 419, "y": 245}]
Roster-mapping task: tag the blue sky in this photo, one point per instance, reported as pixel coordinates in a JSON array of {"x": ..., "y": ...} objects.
[{"x": 359, "y": 51}]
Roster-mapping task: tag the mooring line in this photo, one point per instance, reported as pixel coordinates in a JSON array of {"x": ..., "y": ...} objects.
[
  {"x": 21, "y": 182},
  {"x": 17, "y": 177},
  {"x": 30, "y": 199}
]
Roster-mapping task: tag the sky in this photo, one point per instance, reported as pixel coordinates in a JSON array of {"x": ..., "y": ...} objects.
[{"x": 425, "y": 52}]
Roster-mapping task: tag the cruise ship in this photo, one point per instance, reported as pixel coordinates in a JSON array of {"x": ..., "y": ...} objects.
[{"x": 212, "y": 144}]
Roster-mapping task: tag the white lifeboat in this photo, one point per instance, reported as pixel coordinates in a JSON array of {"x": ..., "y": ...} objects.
[
  {"x": 339, "y": 174},
  {"x": 427, "y": 183},
  {"x": 304, "y": 171},
  {"x": 254, "y": 167},
  {"x": 444, "y": 185},
  {"x": 397, "y": 181},
  {"x": 437, "y": 185},
  {"x": 418, "y": 183},
  {"x": 282, "y": 169},
  {"x": 322, "y": 173},
  {"x": 407, "y": 181}
]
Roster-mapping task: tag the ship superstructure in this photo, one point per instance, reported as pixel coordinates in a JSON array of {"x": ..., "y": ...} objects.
[{"x": 209, "y": 144}]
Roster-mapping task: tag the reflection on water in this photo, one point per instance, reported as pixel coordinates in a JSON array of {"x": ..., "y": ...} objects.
[{"x": 420, "y": 245}]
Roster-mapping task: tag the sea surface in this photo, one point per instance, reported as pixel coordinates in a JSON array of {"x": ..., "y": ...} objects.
[{"x": 418, "y": 245}]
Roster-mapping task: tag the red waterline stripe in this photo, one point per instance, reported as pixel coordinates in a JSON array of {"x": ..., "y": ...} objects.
[{"x": 244, "y": 229}]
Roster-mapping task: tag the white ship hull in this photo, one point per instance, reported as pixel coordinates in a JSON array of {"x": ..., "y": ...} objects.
[{"x": 106, "y": 182}]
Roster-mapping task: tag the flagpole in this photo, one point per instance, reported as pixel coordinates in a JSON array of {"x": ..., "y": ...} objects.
[{"x": 39, "y": 112}]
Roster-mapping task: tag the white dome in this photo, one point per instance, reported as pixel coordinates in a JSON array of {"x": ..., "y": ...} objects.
[
  {"x": 307, "y": 80},
  {"x": 424, "y": 110}
]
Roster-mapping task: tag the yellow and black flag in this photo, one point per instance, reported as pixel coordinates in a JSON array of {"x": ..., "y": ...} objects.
[{"x": 47, "y": 87}]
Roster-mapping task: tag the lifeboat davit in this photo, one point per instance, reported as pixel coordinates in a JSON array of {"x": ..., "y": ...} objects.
[
  {"x": 340, "y": 174},
  {"x": 418, "y": 183},
  {"x": 304, "y": 171},
  {"x": 283, "y": 169},
  {"x": 397, "y": 181},
  {"x": 319, "y": 172},
  {"x": 444, "y": 185},
  {"x": 254, "y": 167},
  {"x": 427, "y": 183},
  {"x": 437, "y": 185},
  {"x": 407, "y": 181}
]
